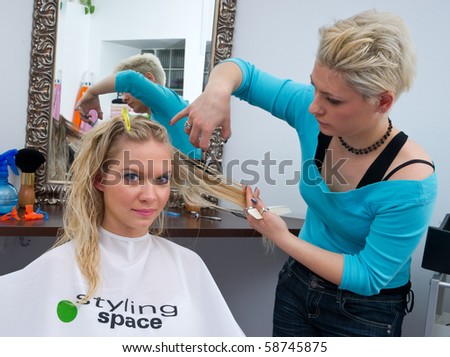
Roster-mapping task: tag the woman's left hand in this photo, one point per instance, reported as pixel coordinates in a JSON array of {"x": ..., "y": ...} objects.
[
  {"x": 86, "y": 103},
  {"x": 271, "y": 225}
]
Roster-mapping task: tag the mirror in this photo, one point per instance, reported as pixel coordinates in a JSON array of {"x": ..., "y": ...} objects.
[{"x": 42, "y": 76}]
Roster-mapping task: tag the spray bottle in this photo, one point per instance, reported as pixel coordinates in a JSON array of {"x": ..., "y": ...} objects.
[{"x": 8, "y": 193}]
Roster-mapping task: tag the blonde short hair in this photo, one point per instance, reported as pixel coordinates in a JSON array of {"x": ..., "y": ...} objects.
[
  {"x": 144, "y": 63},
  {"x": 373, "y": 50}
]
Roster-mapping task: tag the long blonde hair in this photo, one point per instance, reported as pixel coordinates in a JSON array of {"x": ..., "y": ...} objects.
[{"x": 85, "y": 209}]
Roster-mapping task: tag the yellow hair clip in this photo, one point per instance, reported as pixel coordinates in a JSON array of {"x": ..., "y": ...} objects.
[{"x": 126, "y": 118}]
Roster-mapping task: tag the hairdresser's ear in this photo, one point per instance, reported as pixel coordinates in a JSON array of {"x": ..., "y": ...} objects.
[
  {"x": 150, "y": 76},
  {"x": 98, "y": 182},
  {"x": 386, "y": 100}
]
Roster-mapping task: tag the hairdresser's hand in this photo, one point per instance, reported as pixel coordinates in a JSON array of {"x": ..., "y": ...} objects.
[
  {"x": 271, "y": 225},
  {"x": 88, "y": 102},
  {"x": 208, "y": 112},
  {"x": 212, "y": 108}
]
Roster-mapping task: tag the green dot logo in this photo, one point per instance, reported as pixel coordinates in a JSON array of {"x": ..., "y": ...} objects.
[{"x": 66, "y": 310}]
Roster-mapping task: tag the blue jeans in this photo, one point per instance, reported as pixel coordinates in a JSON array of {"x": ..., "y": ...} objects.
[{"x": 307, "y": 305}]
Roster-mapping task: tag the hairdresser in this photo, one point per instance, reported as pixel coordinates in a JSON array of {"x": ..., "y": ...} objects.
[
  {"x": 141, "y": 80},
  {"x": 348, "y": 273}
]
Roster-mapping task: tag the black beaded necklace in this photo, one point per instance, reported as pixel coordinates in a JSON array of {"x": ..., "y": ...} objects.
[{"x": 371, "y": 147}]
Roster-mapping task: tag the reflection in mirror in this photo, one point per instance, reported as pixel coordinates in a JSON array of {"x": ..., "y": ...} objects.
[
  {"x": 89, "y": 47},
  {"x": 63, "y": 142},
  {"x": 95, "y": 58}
]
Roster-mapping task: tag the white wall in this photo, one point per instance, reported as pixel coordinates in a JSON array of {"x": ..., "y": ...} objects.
[
  {"x": 15, "y": 25},
  {"x": 72, "y": 60},
  {"x": 281, "y": 37}
]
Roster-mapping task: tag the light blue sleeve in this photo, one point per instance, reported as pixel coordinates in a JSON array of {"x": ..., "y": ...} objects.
[
  {"x": 164, "y": 104},
  {"x": 394, "y": 235},
  {"x": 162, "y": 101},
  {"x": 283, "y": 98}
]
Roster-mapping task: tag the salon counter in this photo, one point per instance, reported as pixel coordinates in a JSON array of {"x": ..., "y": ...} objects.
[{"x": 176, "y": 227}]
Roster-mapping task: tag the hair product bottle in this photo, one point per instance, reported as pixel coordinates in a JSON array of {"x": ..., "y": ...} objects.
[{"x": 8, "y": 193}]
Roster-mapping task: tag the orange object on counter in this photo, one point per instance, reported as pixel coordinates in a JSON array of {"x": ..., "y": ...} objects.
[
  {"x": 30, "y": 215},
  {"x": 12, "y": 214}
]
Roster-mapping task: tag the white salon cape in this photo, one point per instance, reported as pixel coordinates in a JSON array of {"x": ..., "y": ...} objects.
[{"x": 150, "y": 287}]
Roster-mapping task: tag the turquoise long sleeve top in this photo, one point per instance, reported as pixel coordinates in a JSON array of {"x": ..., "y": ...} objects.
[
  {"x": 163, "y": 102},
  {"x": 376, "y": 227}
]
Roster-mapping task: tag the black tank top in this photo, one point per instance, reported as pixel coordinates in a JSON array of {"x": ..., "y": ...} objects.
[{"x": 377, "y": 170}]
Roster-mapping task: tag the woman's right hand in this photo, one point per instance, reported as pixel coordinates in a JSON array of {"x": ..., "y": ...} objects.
[
  {"x": 208, "y": 112},
  {"x": 212, "y": 108}
]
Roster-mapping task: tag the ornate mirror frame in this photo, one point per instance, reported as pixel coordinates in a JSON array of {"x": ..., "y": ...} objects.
[{"x": 43, "y": 46}]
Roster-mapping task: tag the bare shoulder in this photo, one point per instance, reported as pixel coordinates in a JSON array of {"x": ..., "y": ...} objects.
[{"x": 412, "y": 170}]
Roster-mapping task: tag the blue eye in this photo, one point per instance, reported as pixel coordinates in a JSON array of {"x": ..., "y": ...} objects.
[
  {"x": 131, "y": 177},
  {"x": 162, "y": 180}
]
